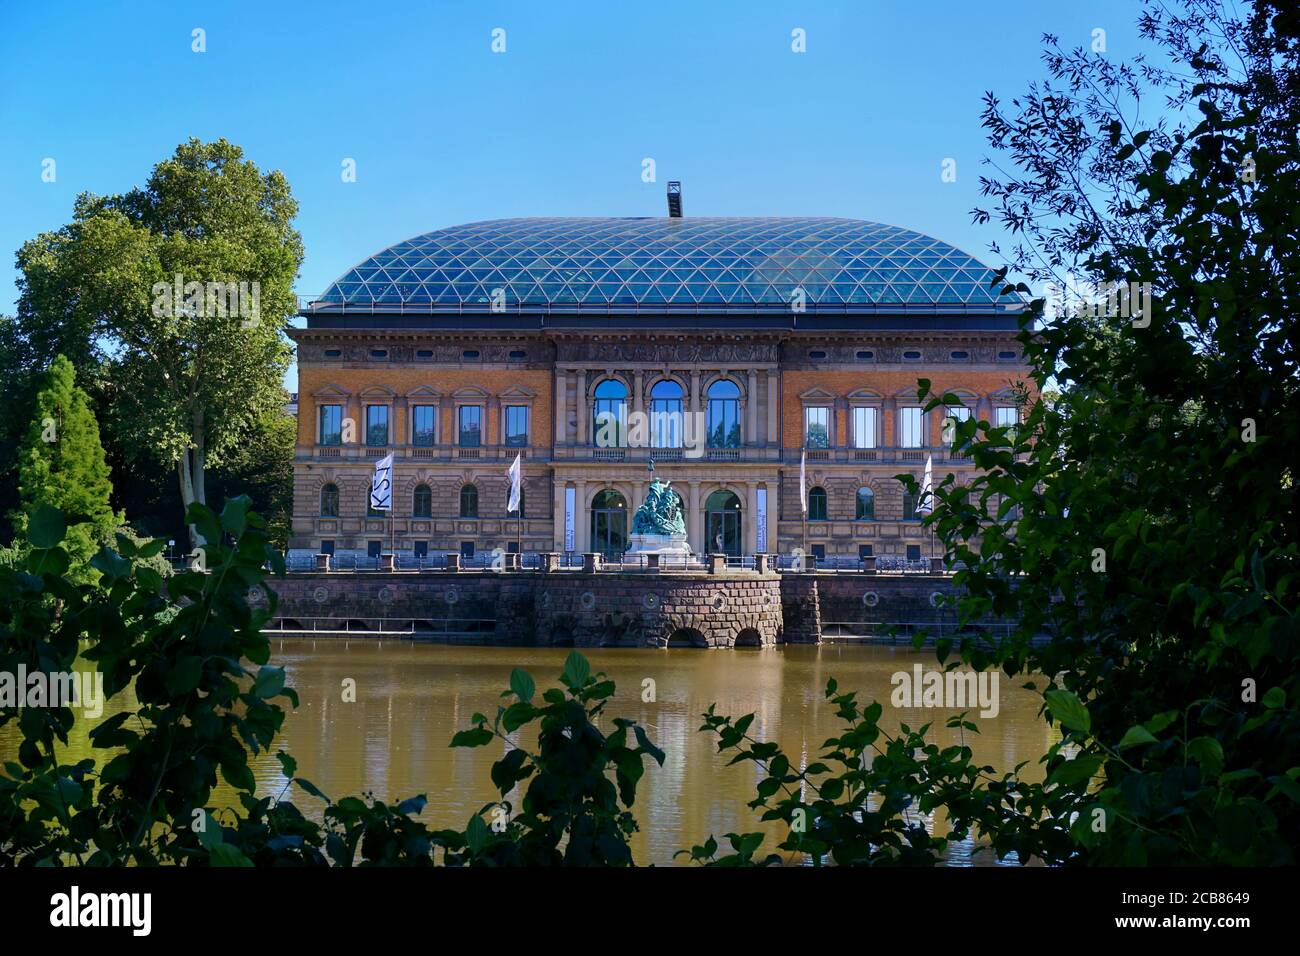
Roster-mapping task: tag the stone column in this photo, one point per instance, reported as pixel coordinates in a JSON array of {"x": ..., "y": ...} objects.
[
  {"x": 749, "y": 540},
  {"x": 638, "y": 385},
  {"x": 557, "y": 512},
  {"x": 581, "y": 401},
  {"x": 751, "y": 409},
  {"x": 561, "y": 405},
  {"x": 634, "y": 502},
  {"x": 773, "y": 412},
  {"x": 695, "y": 390},
  {"x": 581, "y": 521},
  {"x": 694, "y": 520}
]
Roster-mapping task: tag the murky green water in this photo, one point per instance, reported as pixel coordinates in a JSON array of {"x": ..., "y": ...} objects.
[{"x": 411, "y": 698}]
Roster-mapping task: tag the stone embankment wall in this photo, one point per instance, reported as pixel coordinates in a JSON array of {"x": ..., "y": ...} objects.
[{"x": 609, "y": 608}]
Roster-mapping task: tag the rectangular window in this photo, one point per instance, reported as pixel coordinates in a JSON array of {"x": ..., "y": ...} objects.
[
  {"x": 819, "y": 552},
  {"x": 376, "y": 424},
  {"x": 467, "y": 549},
  {"x": 517, "y": 425},
  {"x": 866, "y": 551},
  {"x": 327, "y": 546},
  {"x": 372, "y": 548},
  {"x": 914, "y": 552},
  {"x": 331, "y": 424},
  {"x": 909, "y": 427},
  {"x": 423, "y": 425},
  {"x": 816, "y": 427},
  {"x": 909, "y": 506},
  {"x": 960, "y": 412},
  {"x": 864, "y": 428},
  {"x": 421, "y": 549},
  {"x": 471, "y": 425},
  {"x": 1006, "y": 415}
]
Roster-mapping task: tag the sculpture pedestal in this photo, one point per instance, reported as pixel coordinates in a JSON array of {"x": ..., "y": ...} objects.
[{"x": 670, "y": 549}]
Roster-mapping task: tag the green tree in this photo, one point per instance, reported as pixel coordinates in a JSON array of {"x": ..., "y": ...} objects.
[
  {"x": 62, "y": 464},
  {"x": 180, "y": 292},
  {"x": 1158, "y": 541}
]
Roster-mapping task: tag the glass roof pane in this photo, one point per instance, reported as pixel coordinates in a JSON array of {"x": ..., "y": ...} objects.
[{"x": 691, "y": 260}]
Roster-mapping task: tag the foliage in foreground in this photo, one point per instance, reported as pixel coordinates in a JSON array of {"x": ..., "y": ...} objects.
[{"x": 1158, "y": 540}]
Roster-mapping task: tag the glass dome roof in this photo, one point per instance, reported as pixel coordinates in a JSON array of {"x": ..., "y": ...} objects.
[{"x": 604, "y": 264}]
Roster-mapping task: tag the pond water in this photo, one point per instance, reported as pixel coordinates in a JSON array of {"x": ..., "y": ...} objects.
[{"x": 411, "y": 697}]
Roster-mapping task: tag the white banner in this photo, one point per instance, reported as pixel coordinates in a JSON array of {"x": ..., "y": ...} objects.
[
  {"x": 803, "y": 482},
  {"x": 381, "y": 484},
  {"x": 513, "y": 472},
  {"x": 760, "y": 512},
  {"x": 926, "y": 504},
  {"x": 570, "y": 503}
]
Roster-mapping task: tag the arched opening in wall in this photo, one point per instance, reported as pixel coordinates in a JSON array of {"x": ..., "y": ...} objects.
[
  {"x": 722, "y": 517},
  {"x": 686, "y": 637},
  {"x": 609, "y": 524},
  {"x": 749, "y": 637}
]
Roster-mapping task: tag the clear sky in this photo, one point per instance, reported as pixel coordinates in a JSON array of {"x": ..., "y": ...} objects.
[{"x": 443, "y": 130}]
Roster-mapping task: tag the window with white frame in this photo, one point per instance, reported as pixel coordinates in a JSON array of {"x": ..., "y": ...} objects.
[
  {"x": 864, "y": 427},
  {"x": 910, "y": 422},
  {"x": 817, "y": 427}
]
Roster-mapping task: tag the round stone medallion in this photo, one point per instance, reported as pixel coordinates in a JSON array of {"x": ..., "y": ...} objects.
[
  {"x": 588, "y": 600},
  {"x": 321, "y": 594},
  {"x": 650, "y": 601},
  {"x": 870, "y": 598},
  {"x": 386, "y": 595},
  {"x": 451, "y": 596}
]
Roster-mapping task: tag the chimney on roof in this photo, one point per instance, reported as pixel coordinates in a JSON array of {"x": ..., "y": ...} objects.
[{"x": 674, "y": 200}]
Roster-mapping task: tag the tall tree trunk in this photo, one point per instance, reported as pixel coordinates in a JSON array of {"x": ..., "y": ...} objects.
[{"x": 190, "y": 472}]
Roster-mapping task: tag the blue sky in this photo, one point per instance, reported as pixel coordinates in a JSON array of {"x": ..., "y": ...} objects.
[{"x": 443, "y": 130}]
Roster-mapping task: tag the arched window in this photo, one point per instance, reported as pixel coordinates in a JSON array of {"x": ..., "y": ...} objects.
[
  {"x": 609, "y": 414},
  {"x": 469, "y": 502},
  {"x": 329, "y": 501},
  {"x": 724, "y": 414},
  {"x": 817, "y": 504},
  {"x": 666, "y": 415},
  {"x": 866, "y": 504},
  {"x": 422, "y": 502}
]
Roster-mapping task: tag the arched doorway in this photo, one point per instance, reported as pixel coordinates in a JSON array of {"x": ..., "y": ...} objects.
[
  {"x": 749, "y": 637},
  {"x": 722, "y": 524},
  {"x": 609, "y": 523}
]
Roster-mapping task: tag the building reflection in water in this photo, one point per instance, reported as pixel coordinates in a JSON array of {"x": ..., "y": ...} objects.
[{"x": 411, "y": 698}]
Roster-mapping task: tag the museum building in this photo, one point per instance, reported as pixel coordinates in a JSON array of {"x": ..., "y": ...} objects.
[{"x": 728, "y": 351}]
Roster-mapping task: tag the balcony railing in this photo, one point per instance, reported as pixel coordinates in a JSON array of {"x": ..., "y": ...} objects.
[
  {"x": 416, "y": 452},
  {"x": 573, "y": 452},
  {"x": 882, "y": 455}
]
